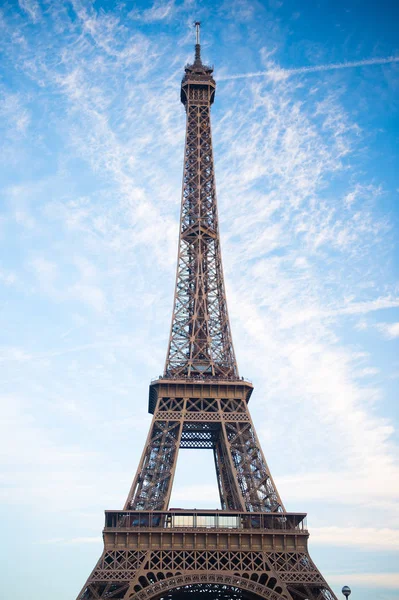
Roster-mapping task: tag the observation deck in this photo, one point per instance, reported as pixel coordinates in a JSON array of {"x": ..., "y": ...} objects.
[
  {"x": 206, "y": 530},
  {"x": 178, "y": 519},
  {"x": 203, "y": 386}
]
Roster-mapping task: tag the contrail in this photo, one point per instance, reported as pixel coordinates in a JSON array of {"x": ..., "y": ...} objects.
[{"x": 284, "y": 73}]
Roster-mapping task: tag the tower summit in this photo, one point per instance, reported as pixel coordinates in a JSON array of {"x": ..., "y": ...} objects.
[
  {"x": 251, "y": 548},
  {"x": 200, "y": 341},
  {"x": 197, "y": 41}
]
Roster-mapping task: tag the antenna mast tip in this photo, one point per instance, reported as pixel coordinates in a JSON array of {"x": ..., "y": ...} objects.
[{"x": 197, "y": 25}]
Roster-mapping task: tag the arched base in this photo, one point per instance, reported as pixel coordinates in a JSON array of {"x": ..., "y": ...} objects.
[
  {"x": 213, "y": 587},
  {"x": 210, "y": 591}
]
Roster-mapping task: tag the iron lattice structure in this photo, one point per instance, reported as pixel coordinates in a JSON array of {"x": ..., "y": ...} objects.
[
  {"x": 252, "y": 547},
  {"x": 200, "y": 338}
]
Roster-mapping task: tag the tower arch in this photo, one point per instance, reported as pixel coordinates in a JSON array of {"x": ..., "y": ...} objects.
[{"x": 213, "y": 586}]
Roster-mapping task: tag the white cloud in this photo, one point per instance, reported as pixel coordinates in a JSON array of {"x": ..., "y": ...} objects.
[
  {"x": 91, "y": 295},
  {"x": 8, "y": 277},
  {"x": 369, "y": 580},
  {"x": 39, "y": 469},
  {"x": 363, "y": 537},
  {"x": 78, "y": 540},
  {"x": 361, "y": 308},
  {"x": 46, "y": 270},
  {"x": 14, "y": 354},
  {"x": 389, "y": 330},
  {"x": 285, "y": 318},
  {"x": 367, "y": 372}
]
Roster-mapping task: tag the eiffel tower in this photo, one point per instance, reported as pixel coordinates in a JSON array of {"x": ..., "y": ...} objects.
[{"x": 252, "y": 547}]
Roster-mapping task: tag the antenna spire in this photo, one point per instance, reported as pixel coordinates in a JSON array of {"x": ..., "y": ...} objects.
[{"x": 197, "y": 25}]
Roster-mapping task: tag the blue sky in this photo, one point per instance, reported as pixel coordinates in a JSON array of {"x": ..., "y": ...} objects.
[{"x": 92, "y": 135}]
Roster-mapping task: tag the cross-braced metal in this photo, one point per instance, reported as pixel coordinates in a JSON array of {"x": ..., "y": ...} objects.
[
  {"x": 200, "y": 339},
  {"x": 204, "y": 414},
  {"x": 252, "y": 548}
]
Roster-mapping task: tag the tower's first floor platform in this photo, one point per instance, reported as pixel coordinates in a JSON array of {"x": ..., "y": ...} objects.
[{"x": 169, "y": 554}]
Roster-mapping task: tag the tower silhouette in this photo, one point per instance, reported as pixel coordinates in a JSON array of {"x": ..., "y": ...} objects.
[{"x": 252, "y": 547}]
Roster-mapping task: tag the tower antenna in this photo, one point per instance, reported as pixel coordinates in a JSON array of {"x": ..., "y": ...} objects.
[{"x": 197, "y": 25}]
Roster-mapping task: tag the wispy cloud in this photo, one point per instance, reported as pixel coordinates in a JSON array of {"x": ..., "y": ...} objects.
[
  {"x": 92, "y": 227},
  {"x": 277, "y": 73},
  {"x": 159, "y": 11},
  {"x": 32, "y": 8}
]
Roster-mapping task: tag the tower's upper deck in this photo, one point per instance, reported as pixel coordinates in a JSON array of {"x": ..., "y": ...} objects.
[{"x": 197, "y": 75}]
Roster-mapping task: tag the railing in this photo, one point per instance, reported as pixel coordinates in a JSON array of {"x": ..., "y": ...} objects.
[
  {"x": 201, "y": 378},
  {"x": 221, "y": 520},
  {"x": 189, "y": 65}
]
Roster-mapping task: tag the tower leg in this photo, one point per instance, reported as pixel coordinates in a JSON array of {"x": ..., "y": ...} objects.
[{"x": 152, "y": 486}]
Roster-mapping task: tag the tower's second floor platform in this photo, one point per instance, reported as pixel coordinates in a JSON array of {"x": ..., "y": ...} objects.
[{"x": 198, "y": 387}]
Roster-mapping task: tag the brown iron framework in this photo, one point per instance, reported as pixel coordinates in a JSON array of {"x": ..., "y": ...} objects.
[
  {"x": 252, "y": 548},
  {"x": 200, "y": 338}
]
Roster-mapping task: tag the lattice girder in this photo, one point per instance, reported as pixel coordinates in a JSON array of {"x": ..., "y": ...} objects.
[
  {"x": 200, "y": 339},
  {"x": 184, "y": 556},
  {"x": 196, "y": 419},
  {"x": 153, "y": 482}
]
